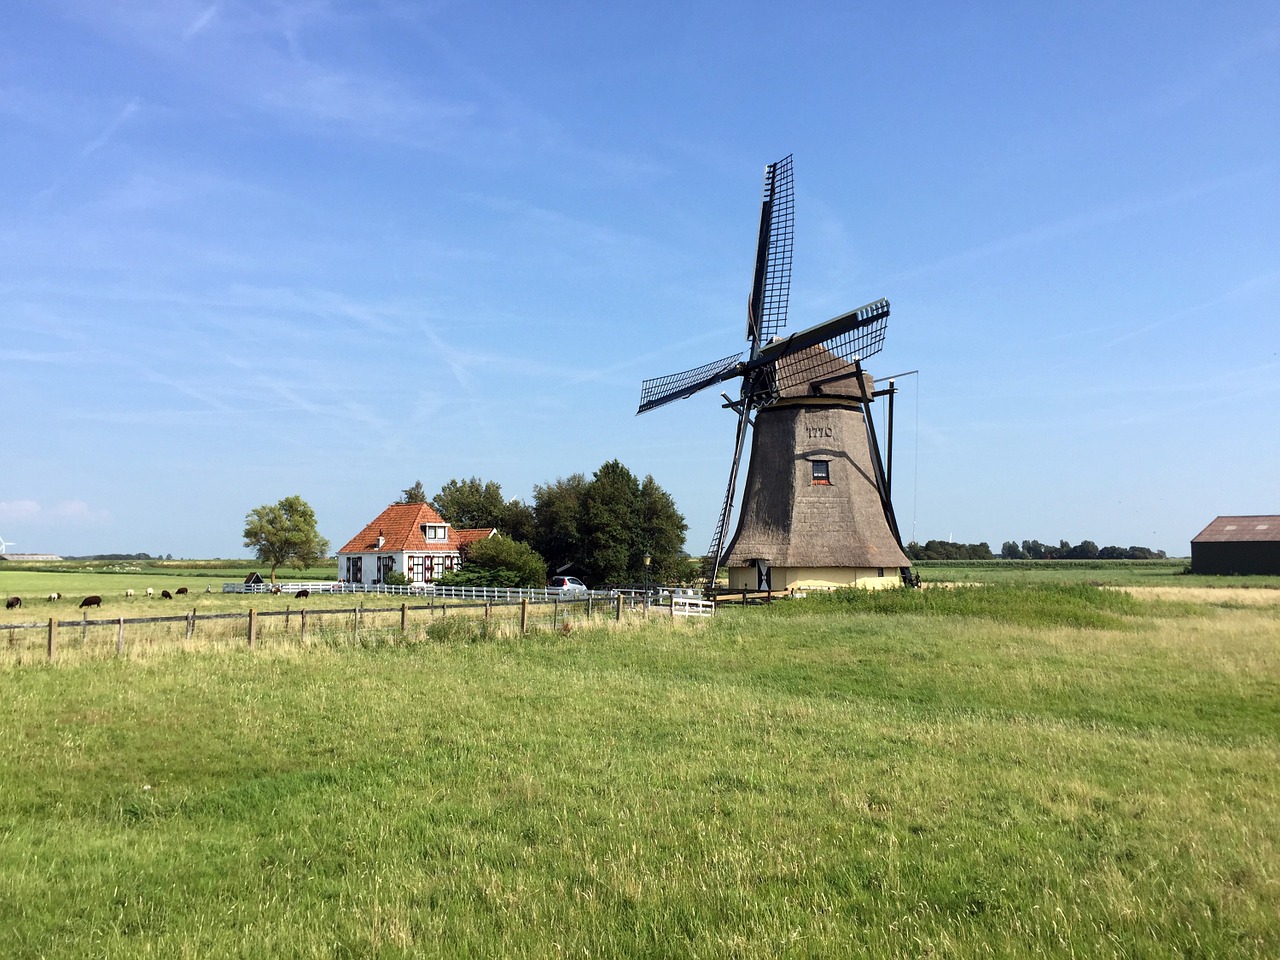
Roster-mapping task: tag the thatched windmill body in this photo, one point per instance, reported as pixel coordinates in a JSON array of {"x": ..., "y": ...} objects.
[{"x": 816, "y": 510}]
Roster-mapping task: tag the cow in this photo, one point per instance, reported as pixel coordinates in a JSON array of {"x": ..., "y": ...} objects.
[
  {"x": 150, "y": 593},
  {"x": 166, "y": 594},
  {"x": 13, "y": 603},
  {"x": 181, "y": 590},
  {"x": 275, "y": 590},
  {"x": 90, "y": 602},
  {"x": 302, "y": 594},
  {"x": 128, "y": 594},
  {"x": 54, "y": 596}
]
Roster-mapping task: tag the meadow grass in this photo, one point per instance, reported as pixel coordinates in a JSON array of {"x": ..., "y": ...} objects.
[
  {"x": 967, "y": 772},
  {"x": 1116, "y": 573}
]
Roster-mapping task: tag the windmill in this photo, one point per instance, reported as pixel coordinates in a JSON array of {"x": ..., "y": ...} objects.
[
  {"x": 5, "y": 545},
  {"x": 816, "y": 509}
]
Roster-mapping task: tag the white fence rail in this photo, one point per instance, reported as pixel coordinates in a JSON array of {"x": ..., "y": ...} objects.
[{"x": 659, "y": 596}]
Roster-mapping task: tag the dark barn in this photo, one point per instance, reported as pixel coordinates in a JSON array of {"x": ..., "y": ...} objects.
[{"x": 1238, "y": 545}]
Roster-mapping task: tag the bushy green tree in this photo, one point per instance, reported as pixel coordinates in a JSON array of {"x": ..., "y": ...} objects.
[
  {"x": 501, "y": 562},
  {"x": 472, "y": 503},
  {"x": 610, "y": 525},
  {"x": 662, "y": 534},
  {"x": 285, "y": 533},
  {"x": 415, "y": 494},
  {"x": 557, "y": 510}
]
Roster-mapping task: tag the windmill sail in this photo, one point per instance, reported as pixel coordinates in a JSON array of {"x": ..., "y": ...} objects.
[{"x": 771, "y": 281}]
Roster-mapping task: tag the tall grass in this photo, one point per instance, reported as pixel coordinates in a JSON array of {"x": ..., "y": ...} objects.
[{"x": 1052, "y": 775}]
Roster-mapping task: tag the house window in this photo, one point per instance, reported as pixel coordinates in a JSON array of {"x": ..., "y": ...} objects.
[
  {"x": 821, "y": 471},
  {"x": 385, "y": 566},
  {"x": 415, "y": 569},
  {"x": 436, "y": 532},
  {"x": 355, "y": 570}
]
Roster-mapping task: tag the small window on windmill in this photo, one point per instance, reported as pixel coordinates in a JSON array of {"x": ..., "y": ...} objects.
[{"x": 821, "y": 472}]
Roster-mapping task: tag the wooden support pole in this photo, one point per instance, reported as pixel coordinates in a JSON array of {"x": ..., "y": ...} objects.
[
  {"x": 555, "y": 612},
  {"x": 589, "y": 599},
  {"x": 120, "y": 637},
  {"x": 84, "y": 628},
  {"x": 53, "y": 639},
  {"x": 524, "y": 615},
  {"x": 253, "y": 626},
  {"x": 286, "y": 618},
  {"x": 488, "y": 610},
  {"x": 619, "y": 618},
  {"x": 304, "y": 624},
  {"x": 404, "y": 618},
  {"x": 191, "y": 623}
]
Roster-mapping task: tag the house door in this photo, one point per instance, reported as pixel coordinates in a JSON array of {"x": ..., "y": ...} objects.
[{"x": 762, "y": 575}]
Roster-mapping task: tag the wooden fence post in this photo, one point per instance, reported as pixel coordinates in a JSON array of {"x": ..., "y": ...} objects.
[
  {"x": 404, "y": 618},
  {"x": 524, "y": 615},
  {"x": 191, "y": 623},
  {"x": 120, "y": 638},
  {"x": 555, "y": 613},
  {"x": 673, "y": 606},
  {"x": 253, "y": 626},
  {"x": 589, "y": 599},
  {"x": 286, "y": 618},
  {"x": 304, "y": 624},
  {"x": 488, "y": 610},
  {"x": 619, "y": 608},
  {"x": 84, "y": 628},
  {"x": 53, "y": 638}
]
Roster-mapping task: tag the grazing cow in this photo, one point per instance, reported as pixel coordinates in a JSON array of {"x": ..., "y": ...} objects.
[
  {"x": 302, "y": 594},
  {"x": 90, "y": 602},
  {"x": 150, "y": 593},
  {"x": 13, "y": 603},
  {"x": 54, "y": 596},
  {"x": 166, "y": 594},
  {"x": 128, "y": 594},
  {"x": 276, "y": 590},
  {"x": 181, "y": 590}
]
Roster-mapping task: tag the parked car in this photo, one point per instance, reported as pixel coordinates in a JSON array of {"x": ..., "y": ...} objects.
[{"x": 567, "y": 585}]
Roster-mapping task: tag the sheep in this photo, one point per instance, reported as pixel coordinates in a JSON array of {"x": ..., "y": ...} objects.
[
  {"x": 166, "y": 594},
  {"x": 302, "y": 594},
  {"x": 181, "y": 590},
  {"x": 13, "y": 603},
  {"x": 54, "y": 596},
  {"x": 90, "y": 602},
  {"x": 128, "y": 594},
  {"x": 150, "y": 593}
]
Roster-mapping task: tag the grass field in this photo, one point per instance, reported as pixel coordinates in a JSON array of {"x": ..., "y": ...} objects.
[{"x": 1013, "y": 770}]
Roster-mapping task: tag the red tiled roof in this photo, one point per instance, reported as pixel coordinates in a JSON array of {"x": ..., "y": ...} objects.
[
  {"x": 400, "y": 526},
  {"x": 468, "y": 537},
  {"x": 1236, "y": 529}
]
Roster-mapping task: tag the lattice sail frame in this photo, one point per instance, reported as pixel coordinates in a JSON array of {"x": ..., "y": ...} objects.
[
  {"x": 771, "y": 285},
  {"x": 827, "y": 360},
  {"x": 677, "y": 386}
]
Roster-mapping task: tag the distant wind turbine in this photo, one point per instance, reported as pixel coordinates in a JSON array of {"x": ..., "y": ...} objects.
[{"x": 5, "y": 545}]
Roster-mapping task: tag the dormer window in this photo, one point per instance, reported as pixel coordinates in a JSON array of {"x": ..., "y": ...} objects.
[{"x": 435, "y": 532}]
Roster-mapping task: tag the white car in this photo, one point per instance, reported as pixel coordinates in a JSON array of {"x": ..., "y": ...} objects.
[{"x": 570, "y": 586}]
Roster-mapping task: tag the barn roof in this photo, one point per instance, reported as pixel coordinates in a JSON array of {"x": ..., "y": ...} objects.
[
  {"x": 400, "y": 526},
  {"x": 1260, "y": 528}
]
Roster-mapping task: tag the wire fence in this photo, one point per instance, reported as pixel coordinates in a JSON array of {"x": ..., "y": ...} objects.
[{"x": 46, "y": 640}]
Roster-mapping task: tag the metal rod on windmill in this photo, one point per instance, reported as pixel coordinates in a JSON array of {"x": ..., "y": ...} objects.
[{"x": 816, "y": 511}]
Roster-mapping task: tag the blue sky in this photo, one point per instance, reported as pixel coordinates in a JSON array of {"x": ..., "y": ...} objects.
[{"x": 252, "y": 249}]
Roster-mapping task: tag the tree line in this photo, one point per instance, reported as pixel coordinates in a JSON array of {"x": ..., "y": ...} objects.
[
  {"x": 1028, "y": 550},
  {"x": 599, "y": 527},
  {"x": 603, "y": 528}
]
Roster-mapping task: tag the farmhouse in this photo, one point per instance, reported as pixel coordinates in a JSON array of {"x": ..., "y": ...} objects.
[
  {"x": 408, "y": 538},
  {"x": 1238, "y": 545}
]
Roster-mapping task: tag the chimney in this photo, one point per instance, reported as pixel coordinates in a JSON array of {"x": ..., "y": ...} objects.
[{"x": 381, "y": 540}]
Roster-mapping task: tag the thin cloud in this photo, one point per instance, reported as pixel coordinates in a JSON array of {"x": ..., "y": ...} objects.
[
  {"x": 199, "y": 24},
  {"x": 102, "y": 139}
]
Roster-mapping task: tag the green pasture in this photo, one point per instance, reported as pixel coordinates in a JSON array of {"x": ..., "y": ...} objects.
[
  {"x": 1114, "y": 573},
  {"x": 1012, "y": 770}
]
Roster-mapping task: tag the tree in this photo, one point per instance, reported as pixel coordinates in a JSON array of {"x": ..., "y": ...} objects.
[
  {"x": 285, "y": 533},
  {"x": 1010, "y": 550},
  {"x": 610, "y": 525},
  {"x": 557, "y": 510},
  {"x": 415, "y": 494},
  {"x": 499, "y": 562},
  {"x": 662, "y": 533},
  {"x": 472, "y": 503}
]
